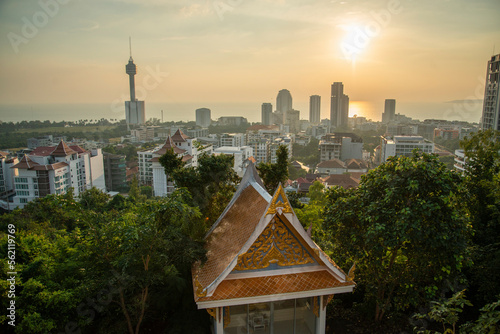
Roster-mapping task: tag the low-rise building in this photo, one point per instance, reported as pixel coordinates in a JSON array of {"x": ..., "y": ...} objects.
[
  {"x": 404, "y": 145},
  {"x": 341, "y": 146},
  {"x": 240, "y": 154}
]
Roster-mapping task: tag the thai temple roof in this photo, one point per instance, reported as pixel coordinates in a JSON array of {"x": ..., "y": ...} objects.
[{"x": 258, "y": 248}]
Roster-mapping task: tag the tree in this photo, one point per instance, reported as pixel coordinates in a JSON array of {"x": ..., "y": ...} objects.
[
  {"x": 274, "y": 174},
  {"x": 211, "y": 184},
  {"x": 317, "y": 193},
  {"x": 481, "y": 203},
  {"x": 93, "y": 199},
  {"x": 402, "y": 229}
]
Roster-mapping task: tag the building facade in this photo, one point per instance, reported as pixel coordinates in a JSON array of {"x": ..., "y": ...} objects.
[
  {"x": 267, "y": 114},
  {"x": 315, "y": 109},
  {"x": 341, "y": 146},
  {"x": 203, "y": 117},
  {"x": 491, "y": 102},
  {"x": 54, "y": 170},
  {"x": 339, "y": 106},
  {"x": 115, "y": 172},
  {"x": 404, "y": 145},
  {"x": 389, "y": 111}
]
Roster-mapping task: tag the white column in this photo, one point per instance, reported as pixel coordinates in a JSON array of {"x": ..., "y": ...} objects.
[
  {"x": 219, "y": 321},
  {"x": 321, "y": 320}
]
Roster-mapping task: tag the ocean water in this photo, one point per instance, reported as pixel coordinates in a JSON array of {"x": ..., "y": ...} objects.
[
  {"x": 463, "y": 111},
  {"x": 75, "y": 112}
]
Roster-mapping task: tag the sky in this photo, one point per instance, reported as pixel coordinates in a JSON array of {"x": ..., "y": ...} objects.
[{"x": 429, "y": 55}]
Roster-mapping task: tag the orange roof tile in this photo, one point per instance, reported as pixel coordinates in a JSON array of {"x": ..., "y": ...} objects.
[
  {"x": 270, "y": 285},
  {"x": 344, "y": 180},
  {"x": 231, "y": 233},
  {"x": 334, "y": 163}
]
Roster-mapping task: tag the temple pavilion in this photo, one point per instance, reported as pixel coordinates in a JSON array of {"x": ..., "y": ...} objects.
[{"x": 263, "y": 273}]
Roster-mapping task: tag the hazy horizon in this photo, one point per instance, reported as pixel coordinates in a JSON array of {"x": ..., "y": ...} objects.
[{"x": 216, "y": 53}]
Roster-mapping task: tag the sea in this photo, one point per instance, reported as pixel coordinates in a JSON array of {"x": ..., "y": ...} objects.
[{"x": 469, "y": 111}]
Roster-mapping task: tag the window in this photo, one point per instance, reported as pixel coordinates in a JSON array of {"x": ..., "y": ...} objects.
[{"x": 23, "y": 200}]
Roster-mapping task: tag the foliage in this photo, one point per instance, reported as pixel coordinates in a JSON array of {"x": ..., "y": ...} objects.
[
  {"x": 294, "y": 173},
  {"x": 481, "y": 202},
  {"x": 211, "y": 184},
  {"x": 104, "y": 268},
  {"x": 488, "y": 322},
  {"x": 317, "y": 193},
  {"x": 446, "y": 312},
  {"x": 129, "y": 151},
  {"x": 274, "y": 174},
  {"x": 135, "y": 193},
  {"x": 449, "y": 144},
  {"x": 402, "y": 229},
  {"x": 308, "y": 154}
]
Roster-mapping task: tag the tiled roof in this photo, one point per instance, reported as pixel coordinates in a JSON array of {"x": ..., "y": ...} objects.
[
  {"x": 270, "y": 285},
  {"x": 3, "y": 154},
  {"x": 187, "y": 157},
  {"x": 343, "y": 180},
  {"x": 42, "y": 151},
  {"x": 355, "y": 164},
  {"x": 169, "y": 144},
  {"x": 334, "y": 163},
  {"x": 78, "y": 149},
  {"x": 179, "y": 137},
  {"x": 62, "y": 150},
  {"x": 25, "y": 163},
  {"x": 231, "y": 233},
  {"x": 55, "y": 166}
]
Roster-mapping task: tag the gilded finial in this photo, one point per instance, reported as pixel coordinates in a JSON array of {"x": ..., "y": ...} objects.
[
  {"x": 350, "y": 275},
  {"x": 199, "y": 288}
]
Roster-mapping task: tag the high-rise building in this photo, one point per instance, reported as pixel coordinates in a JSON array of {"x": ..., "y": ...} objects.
[
  {"x": 267, "y": 114},
  {"x": 491, "y": 102},
  {"x": 135, "y": 112},
  {"x": 315, "y": 109},
  {"x": 203, "y": 117},
  {"x": 389, "y": 111},
  {"x": 284, "y": 101},
  {"x": 115, "y": 172},
  {"x": 339, "y": 107}
]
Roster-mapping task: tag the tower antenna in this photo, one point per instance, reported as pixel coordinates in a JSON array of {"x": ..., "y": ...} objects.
[{"x": 130, "y": 45}]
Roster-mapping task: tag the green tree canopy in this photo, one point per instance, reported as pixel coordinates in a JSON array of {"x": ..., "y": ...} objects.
[
  {"x": 401, "y": 229},
  {"x": 274, "y": 174}
]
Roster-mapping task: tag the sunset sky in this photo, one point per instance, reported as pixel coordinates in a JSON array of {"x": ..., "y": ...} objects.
[{"x": 207, "y": 52}]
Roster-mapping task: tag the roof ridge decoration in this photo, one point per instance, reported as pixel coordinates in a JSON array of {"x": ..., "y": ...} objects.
[
  {"x": 279, "y": 203},
  {"x": 62, "y": 149}
]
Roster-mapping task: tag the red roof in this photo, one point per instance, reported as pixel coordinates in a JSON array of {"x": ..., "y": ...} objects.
[
  {"x": 42, "y": 151},
  {"x": 3, "y": 154},
  {"x": 62, "y": 150},
  {"x": 25, "y": 163},
  {"x": 343, "y": 180},
  {"x": 169, "y": 144},
  {"x": 179, "y": 136},
  {"x": 187, "y": 157},
  {"x": 334, "y": 163},
  {"x": 78, "y": 149}
]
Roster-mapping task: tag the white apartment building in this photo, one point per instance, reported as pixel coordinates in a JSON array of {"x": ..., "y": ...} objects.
[
  {"x": 460, "y": 161},
  {"x": 53, "y": 170},
  {"x": 232, "y": 140},
  {"x": 7, "y": 175},
  {"x": 152, "y": 173},
  {"x": 404, "y": 145},
  {"x": 240, "y": 154},
  {"x": 276, "y": 143}
]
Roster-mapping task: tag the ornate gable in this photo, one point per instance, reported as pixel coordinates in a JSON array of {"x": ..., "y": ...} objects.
[
  {"x": 280, "y": 202},
  {"x": 276, "y": 247}
]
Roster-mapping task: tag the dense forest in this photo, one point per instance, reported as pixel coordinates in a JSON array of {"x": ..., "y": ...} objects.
[{"x": 425, "y": 242}]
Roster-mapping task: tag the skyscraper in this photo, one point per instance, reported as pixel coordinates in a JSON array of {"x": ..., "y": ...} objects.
[
  {"x": 389, "y": 111},
  {"x": 267, "y": 114},
  {"x": 284, "y": 101},
  {"x": 339, "y": 107},
  {"x": 315, "y": 109},
  {"x": 491, "y": 102},
  {"x": 203, "y": 117},
  {"x": 134, "y": 110}
]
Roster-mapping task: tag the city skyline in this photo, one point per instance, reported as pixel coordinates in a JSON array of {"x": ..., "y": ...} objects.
[{"x": 241, "y": 52}]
